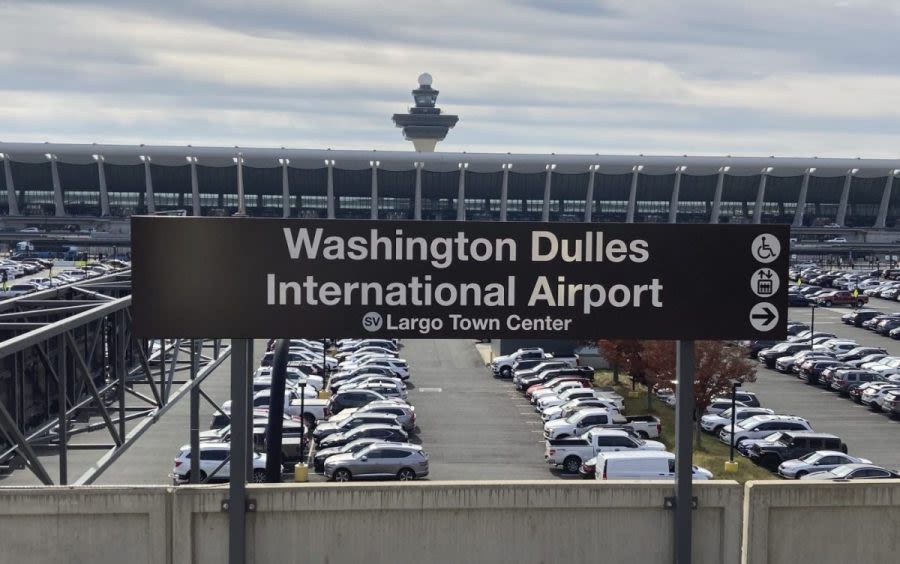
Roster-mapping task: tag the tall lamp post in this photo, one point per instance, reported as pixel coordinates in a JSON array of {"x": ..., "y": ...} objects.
[
  {"x": 302, "y": 381},
  {"x": 812, "y": 325},
  {"x": 734, "y": 386}
]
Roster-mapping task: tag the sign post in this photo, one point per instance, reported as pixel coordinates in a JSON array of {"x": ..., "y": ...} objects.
[{"x": 242, "y": 279}]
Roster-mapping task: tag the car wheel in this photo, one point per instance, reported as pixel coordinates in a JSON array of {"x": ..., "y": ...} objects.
[
  {"x": 643, "y": 435},
  {"x": 309, "y": 421},
  {"x": 505, "y": 371},
  {"x": 259, "y": 477},
  {"x": 860, "y": 303},
  {"x": 406, "y": 475},
  {"x": 342, "y": 475},
  {"x": 827, "y": 303},
  {"x": 572, "y": 464},
  {"x": 202, "y": 476},
  {"x": 800, "y": 474},
  {"x": 718, "y": 430}
]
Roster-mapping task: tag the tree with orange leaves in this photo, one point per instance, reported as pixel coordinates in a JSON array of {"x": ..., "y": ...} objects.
[{"x": 716, "y": 365}]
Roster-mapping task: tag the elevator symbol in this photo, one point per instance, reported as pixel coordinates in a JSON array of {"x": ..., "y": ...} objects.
[{"x": 764, "y": 282}]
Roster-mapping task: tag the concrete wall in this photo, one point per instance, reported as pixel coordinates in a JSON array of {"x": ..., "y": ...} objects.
[
  {"x": 63, "y": 525},
  {"x": 459, "y": 522},
  {"x": 455, "y": 522},
  {"x": 821, "y": 522}
]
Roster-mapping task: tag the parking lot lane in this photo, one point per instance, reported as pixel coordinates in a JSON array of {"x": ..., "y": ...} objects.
[
  {"x": 868, "y": 434},
  {"x": 470, "y": 429}
]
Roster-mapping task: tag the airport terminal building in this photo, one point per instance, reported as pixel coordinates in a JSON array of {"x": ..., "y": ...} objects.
[{"x": 90, "y": 184}]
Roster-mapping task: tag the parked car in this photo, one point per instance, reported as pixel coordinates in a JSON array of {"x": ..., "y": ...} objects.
[
  {"x": 214, "y": 463},
  {"x": 845, "y": 380},
  {"x": 715, "y": 422},
  {"x": 502, "y": 366},
  {"x": 718, "y": 405},
  {"x": 340, "y": 424},
  {"x": 791, "y": 445},
  {"x": 853, "y": 472},
  {"x": 648, "y": 465},
  {"x": 353, "y": 446},
  {"x": 401, "y": 461},
  {"x": 391, "y": 433},
  {"x": 760, "y": 426},
  {"x": 570, "y": 453},
  {"x": 770, "y": 355},
  {"x": 817, "y": 461},
  {"x": 352, "y": 398}
]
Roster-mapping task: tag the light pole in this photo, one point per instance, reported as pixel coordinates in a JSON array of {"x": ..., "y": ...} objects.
[
  {"x": 734, "y": 386},
  {"x": 302, "y": 381},
  {"x": 812, "y": 325}
]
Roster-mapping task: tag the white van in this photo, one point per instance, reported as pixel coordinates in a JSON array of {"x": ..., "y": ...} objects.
[{"x": 641, "y": 466}]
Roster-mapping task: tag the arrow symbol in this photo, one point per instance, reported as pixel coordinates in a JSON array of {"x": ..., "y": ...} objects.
[{"x": 767, "y": 318}]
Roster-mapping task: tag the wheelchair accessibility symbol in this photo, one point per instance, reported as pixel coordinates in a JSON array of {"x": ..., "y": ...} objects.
[{"x": 765, "y": 248}]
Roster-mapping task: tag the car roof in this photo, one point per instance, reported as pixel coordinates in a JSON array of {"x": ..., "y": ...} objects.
[
  {"x": 388, "y": 444},
  {"x": 374, "y": 426},
  {"x": 831, "y": 453},
  {"x": 637, "y": 454},
  {"x": 810, "y": 434}
]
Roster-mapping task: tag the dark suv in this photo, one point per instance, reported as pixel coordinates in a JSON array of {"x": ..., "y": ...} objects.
[
  {"x": 791, "y": 445},
  {"x": 352, "y": 398}
]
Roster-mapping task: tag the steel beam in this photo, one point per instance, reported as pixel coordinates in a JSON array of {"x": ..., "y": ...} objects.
[
  {"x": 589, "y": 196},
  {"x": 632, "y": 195},
  {"x": 717, "y": 197},
  {"x": 237, "y": 487},
  {"x": 62, "y": 394},
  {"x": 504, "y": 192},
  {"x": 801, "y": 200},
  {"x": 92, "y": 388},
  {"x": 148, "y": 187},
  {"x": 285, "y": 189},
  {"x": 329, "y": 188},
  {"x": 684, "y": 419},
  {"x": 881, "y": 219},
  {"x": 841, "y": 216},
  {"x": 461, "y": 193},
  {"x": 104, "y": 193},
  {"x": 195, "y": 414},
  {"x": 11, "y": 429},
  {"x": 59, "y": 203},
  {"x": 548, "y": 180},
  {"x": 11, "y": 198},
  {"x": 110, "y": 457},
  {"x": 417, "y": 202}
]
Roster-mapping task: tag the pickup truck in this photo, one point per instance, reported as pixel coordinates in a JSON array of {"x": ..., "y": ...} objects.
[
  {"x": 645, "y": 426},
  {"x": 570, "y": 453},
  {"x": 314, "y": 409},
  {"x": 842, "y": 297},
  {"x": 502, "y": 366}
]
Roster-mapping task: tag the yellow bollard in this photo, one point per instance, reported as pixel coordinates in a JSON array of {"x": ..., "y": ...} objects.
[
  {"x": 634, "y": 394},
  {"x": 301, "y": 473},
  {"x": 731, "y": 467},
  {"x": 324, "y": 394}
]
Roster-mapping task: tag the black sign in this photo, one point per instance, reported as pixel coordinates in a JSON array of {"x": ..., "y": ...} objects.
[{"x": 258, "y": 278}]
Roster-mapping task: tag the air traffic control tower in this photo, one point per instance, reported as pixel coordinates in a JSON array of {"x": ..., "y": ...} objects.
[{"x": 425, "y": 125}]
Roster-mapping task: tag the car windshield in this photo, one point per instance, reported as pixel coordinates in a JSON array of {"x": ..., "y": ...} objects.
[
  {"x": 575, "y": 417},
  {"x": 811, "y": 457}
]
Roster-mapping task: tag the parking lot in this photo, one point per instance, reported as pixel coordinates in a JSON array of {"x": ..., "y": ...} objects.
[{"x": 869, "y": 434}]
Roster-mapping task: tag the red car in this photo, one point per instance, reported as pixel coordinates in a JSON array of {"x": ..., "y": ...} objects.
[{"x": 842, "y": 297}]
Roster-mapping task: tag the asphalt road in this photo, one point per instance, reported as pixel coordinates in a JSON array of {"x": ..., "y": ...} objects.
[
  {"x": 869, "y": 434},
  {"x": 472, "y": 426}
]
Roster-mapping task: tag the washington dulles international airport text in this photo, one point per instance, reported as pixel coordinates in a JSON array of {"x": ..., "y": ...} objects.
[{"x": 441, "y": 252}]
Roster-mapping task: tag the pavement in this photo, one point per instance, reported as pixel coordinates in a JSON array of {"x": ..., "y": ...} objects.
[{"x": 869, "y": 434}]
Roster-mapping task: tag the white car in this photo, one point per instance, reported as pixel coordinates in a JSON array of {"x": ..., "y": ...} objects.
[
  {"x": 547, "y": 402},
  {"x": 760, "y": 426},
  {"x": 874, "y": 393},
  {"x": 718, "y": 405},
  {"x": 29, "y": 230},
  {"x": 817, "y": 461},
  {"x": 214, "y": 463},
  {"x": 836, "y": 240},
  {"x": 568, "y": 408},
  {"x": 715, "y": 422}
]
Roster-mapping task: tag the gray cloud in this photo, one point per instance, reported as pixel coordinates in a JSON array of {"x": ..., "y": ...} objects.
[{"x": 799, "y": 77}]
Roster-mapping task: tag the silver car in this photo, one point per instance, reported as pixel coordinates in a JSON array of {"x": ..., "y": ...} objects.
[
  {"x": 818, "y": 461},
  {"x": 405, "y": 413},
  {"x": 403, "y": 461}
]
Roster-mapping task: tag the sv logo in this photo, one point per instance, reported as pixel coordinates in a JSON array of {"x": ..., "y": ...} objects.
[{"x": 372, "y": 321}]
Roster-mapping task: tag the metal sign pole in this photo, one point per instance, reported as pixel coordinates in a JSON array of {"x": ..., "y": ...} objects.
[
  {"x": 276, "y": 411},
  {"x": 684, "y": 423},
  {"x": 237, "y": 487}
]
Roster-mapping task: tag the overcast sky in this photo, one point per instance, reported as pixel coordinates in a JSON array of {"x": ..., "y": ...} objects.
[{"x": 761, "y": 77}]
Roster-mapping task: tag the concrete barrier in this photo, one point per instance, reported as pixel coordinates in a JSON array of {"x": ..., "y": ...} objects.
[
  {"x": 62, "y": 525},
  {"x": 821, "y": 522},
  {"x": 458, "y": 522},
  {"x": 454, "y": 522}
]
